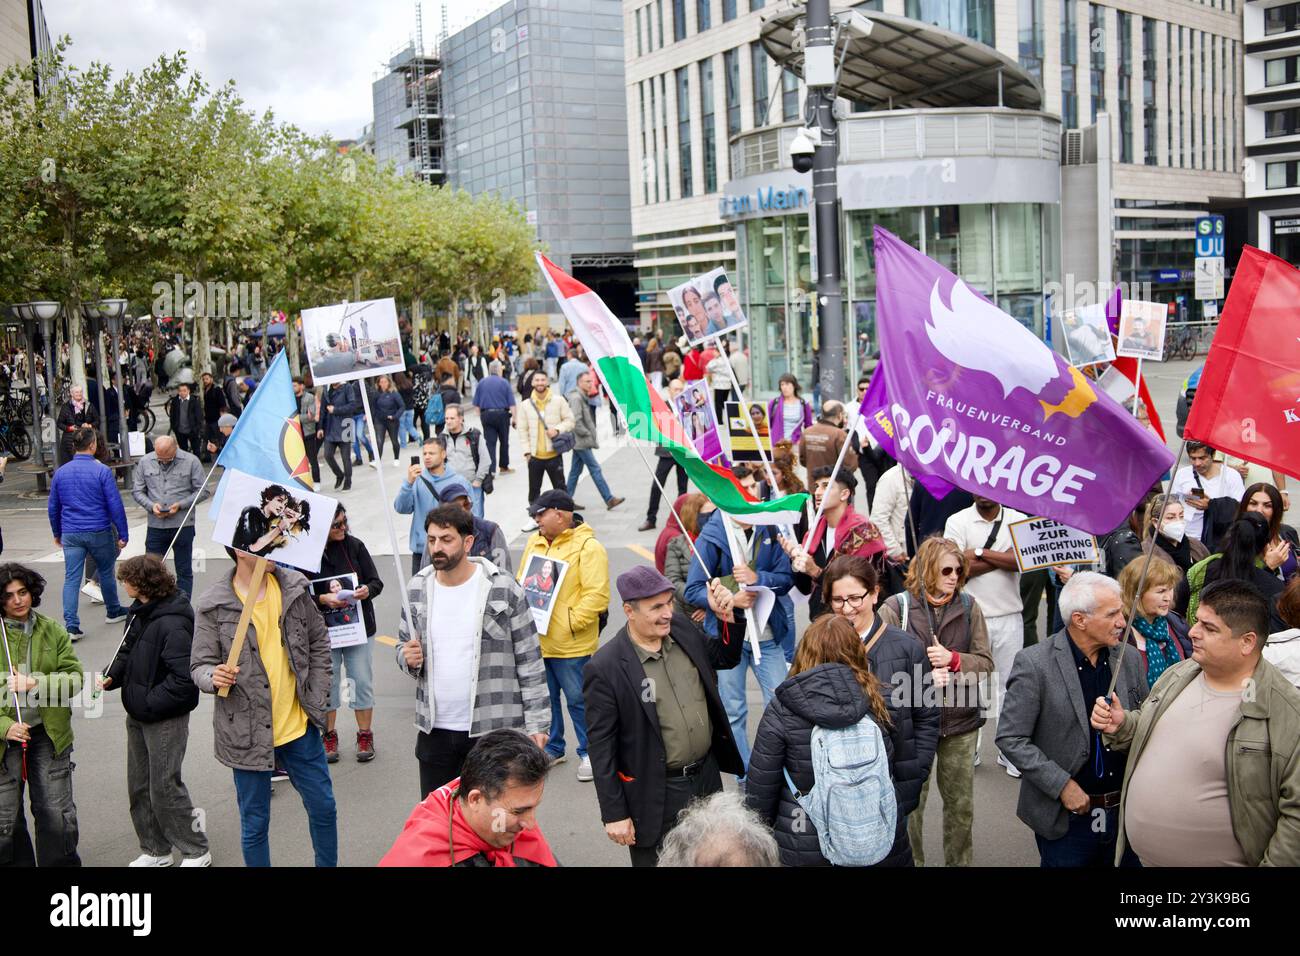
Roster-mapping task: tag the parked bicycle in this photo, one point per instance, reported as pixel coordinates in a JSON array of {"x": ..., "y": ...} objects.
[{"x": 15, "y": 440}]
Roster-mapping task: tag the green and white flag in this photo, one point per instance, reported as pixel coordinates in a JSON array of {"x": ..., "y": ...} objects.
[{"x": 649, "y": 418}]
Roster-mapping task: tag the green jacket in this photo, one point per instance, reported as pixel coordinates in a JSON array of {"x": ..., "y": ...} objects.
[
  {"x": 53, "y": 657},
  {"x": 1263, "y": 760}
]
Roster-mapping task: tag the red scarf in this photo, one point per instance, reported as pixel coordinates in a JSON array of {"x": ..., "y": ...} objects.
[
  {"x": 853, "y": 535},
  {"x": 424, "y": 839}
]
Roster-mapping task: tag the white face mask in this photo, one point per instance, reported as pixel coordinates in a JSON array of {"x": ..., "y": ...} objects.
[{"x": 1174, "y": 530}]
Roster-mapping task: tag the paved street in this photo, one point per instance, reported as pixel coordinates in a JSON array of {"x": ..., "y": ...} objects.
[{"x": 374, "y": 799}]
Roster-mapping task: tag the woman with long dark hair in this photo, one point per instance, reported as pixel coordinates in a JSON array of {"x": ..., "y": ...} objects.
[
  {"x": 788, "y": 414},
  {"x": 1283, "y": 544},
  {"x": 1240, "y": 557},
  {"x": 830, "y": 685}
]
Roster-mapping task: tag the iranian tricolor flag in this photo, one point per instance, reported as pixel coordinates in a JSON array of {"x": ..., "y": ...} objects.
[{"x": 649, "y": 418}]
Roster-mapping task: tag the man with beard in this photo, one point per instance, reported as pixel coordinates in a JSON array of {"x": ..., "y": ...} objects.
[{"x": 508, "y": 689}]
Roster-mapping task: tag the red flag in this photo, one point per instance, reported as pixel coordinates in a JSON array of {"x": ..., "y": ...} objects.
[{"x": 1248, "y": 402}]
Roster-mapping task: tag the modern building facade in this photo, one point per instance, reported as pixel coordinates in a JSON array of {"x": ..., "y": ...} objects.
[
  {"x": 1271, "y": 32},
  {"x": 24, "y": 34},
  {"x": 408, "y": 126},
  {"x": 533, "y": 98},
  {"x": 1133, "y": 132}
]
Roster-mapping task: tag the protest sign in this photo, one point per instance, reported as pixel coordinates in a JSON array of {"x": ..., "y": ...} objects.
[
  {"x": 1087, "y": 339},
  {"x": 707, "y": 305},
  {"x": 352, "y": 340},
  {"x": 695, "y": 412},
  {"x": 1046, "y": 543},
  {"x": 267, "y": 519},
  {"x": 1142, "y": 329},
  {"x": 542, "y": 579},
  {"x": 343, "y": 617},
  {"x": 743, "y": 445}
]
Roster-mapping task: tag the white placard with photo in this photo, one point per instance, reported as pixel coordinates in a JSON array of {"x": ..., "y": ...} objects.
[
  {"x": 542, "y": 579},
  {"x": 706, "y": 306},
  {"x": 352, "y": 340},
  {"x": 1087, "y": 336},
  {"x": 1142, "y": 329},
  {"x": 343, "y": 616},
  {"x": 288, "y": 525}
]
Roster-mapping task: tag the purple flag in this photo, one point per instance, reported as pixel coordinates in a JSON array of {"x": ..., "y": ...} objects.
[
  {"x": 983, "y": 404},
  {"x": 873, "y": 417}
]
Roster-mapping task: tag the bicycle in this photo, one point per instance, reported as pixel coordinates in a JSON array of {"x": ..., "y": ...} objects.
[
  {"x": 15, "y": 440},
  {"x": 1183, "y": 343}
]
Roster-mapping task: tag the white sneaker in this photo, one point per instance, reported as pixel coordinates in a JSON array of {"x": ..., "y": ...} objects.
[
  {"x": 977, "y": 758},
  {"x": 1011, "y": 771},
  {"x": 204, "y": 860},
  {"x": 374, "y": 462},
  {"x": 584, "y": 770},
  {"x": 148, "y": 859},
  {"x": 397, "y": 463}
]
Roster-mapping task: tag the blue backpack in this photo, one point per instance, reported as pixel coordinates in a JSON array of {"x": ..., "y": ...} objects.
[
  {"x": 852, "y": 802},
  {"x": 434, "y": 414}
]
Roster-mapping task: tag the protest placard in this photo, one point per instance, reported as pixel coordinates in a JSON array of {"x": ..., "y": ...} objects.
[{"x": 1046, "y": 543}]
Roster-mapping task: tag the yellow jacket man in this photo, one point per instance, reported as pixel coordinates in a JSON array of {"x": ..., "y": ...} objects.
[
  {"x": 575, "y": 609},
  {"x": 543, "y": 417}
]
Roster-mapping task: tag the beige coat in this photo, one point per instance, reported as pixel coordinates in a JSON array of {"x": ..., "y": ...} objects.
[{"x": 558, "y": 415}]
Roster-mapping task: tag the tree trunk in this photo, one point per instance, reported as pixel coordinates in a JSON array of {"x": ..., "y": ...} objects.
[
  {"x": 291, "y": 344},
  {"x": 76, "y": 347}
]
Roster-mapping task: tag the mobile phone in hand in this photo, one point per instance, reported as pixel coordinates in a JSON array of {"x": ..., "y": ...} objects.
[{"x": 415, "y": 459}]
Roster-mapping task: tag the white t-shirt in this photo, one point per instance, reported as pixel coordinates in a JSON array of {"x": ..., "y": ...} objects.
[
  {"x": 1226, "y": 484},
  {"x": 997, "y": 591},
  {"x": 451, "y": 652}
]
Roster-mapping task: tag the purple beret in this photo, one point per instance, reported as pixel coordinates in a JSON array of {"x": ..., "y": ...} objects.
[{"x": 642, "y": 581}]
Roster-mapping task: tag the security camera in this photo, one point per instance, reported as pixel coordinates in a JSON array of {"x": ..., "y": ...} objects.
[
  {"x": 857, "y": 26},
  {"x": 801, "y": 151}
]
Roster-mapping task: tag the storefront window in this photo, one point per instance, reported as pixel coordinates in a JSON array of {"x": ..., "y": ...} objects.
[
  {"x": 801, "y": 288},
  {"x": 960, "y": 238}
]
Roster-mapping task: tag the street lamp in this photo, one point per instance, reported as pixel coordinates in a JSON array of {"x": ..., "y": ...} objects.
[
  {"x": 113, "y": 311},
  {"x": 40, "y": 315},
  {"x": 90, "y": 312}
]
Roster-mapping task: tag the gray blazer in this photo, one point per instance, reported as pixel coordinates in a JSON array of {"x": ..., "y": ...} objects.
[{"x": 1044, "y": 730}]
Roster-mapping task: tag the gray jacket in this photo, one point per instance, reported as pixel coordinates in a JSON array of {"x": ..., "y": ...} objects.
[
  {"x": 509, "y": 676},
  {"x": 584, "y": 421},
  {"x": 1044, "y": 730},
  {"x": 460, "y": 459},
  {"x": 176, "y": 483},
  {"x": 241, "y": 721}
]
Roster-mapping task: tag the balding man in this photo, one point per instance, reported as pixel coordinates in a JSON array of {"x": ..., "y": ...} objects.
[
  {"x": 167, "y": 482},
  {"x": 820, "y": 444}
]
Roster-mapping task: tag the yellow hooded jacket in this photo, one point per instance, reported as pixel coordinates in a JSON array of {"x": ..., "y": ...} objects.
[{"x": 574, "y": 629}]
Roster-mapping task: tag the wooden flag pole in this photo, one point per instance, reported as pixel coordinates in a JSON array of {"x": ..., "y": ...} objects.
[
  {"x": 246, "y": 615},
  {"x": 738, "y": 557}
]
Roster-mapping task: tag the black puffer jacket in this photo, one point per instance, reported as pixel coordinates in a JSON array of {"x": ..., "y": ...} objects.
[
  {"x": 153, "y": 667},
  {"x": 900, "y": 663},
  {"x": 826, "y": 696}
]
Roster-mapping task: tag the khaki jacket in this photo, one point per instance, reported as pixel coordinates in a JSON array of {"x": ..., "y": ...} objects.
[
  {"x": 558, "y": 415},
  {"x": 1263, "y": 760}
]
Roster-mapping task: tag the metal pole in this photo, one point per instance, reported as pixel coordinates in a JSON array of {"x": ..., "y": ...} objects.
[
  {"x": 29, "y": 329},
  {"x": 830, "y": 305}
]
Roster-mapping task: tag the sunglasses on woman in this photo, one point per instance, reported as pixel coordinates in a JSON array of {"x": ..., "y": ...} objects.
[{"x": 944, "y": 572}]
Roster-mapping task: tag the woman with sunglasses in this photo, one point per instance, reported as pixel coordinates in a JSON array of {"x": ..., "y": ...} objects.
[
  {"x": 347, "y": 555},
  {"x": 949, "y": 624},
  {"x": 850, "y": 588}
]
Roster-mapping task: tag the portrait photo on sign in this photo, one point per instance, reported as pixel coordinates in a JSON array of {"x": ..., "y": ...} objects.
[
  {"x": 341, "y": 608},
  {"x": 706, "y": 306},
  {"x": 352, "y": 340},
  {"x": 695, "y": 411},
  {"x": 1087, "y": 336},
  {"x": 741, "y": 439},
  {"x": 1142, "y": 329},
  {"x": 541, "y": 583},
  {"x": 286, "y": 524}
]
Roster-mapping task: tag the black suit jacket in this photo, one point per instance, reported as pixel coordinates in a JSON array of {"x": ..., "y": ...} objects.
[{"x": 623, "y": 736}]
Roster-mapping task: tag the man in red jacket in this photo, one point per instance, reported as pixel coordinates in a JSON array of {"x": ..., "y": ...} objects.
[{"x": 486, "y": 817}]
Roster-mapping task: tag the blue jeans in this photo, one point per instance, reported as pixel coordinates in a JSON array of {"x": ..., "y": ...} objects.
[
  {"x": 770, "y": 671},
  {"x": 476, "y": 501},
  {"x": 156, "y": 541},
  {"x": 1083, "y": 845},
  {"x": 565, "y": 674},
  {"x": 361, "y": 676},
  {"x": 585, "y": 456},
  {"x": 786, "y": 603},
  {"x": 361, "y": 437},
  {"x": 102, "y": 546},
  {"x": 406, "y": 426},
  {"x": 304, "y": 760}
]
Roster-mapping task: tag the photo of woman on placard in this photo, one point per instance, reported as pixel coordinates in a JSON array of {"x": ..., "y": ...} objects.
[
  {"x": 539, "y": 587},
  {"x": 273, "y": 524}
]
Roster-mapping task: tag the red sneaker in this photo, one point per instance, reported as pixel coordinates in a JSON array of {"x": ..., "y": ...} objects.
[
  {"x": 365, "y": 746},
  {"x": 331, "y": 746}
]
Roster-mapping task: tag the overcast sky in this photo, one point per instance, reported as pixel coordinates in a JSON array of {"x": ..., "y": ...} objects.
[{"x": 311, "y": 61}]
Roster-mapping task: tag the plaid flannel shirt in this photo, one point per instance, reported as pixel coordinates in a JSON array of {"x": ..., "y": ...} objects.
[{"x": 510, "y": 687}]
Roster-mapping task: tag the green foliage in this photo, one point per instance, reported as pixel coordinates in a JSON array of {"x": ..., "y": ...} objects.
[{"x": 111, "y": 186}]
